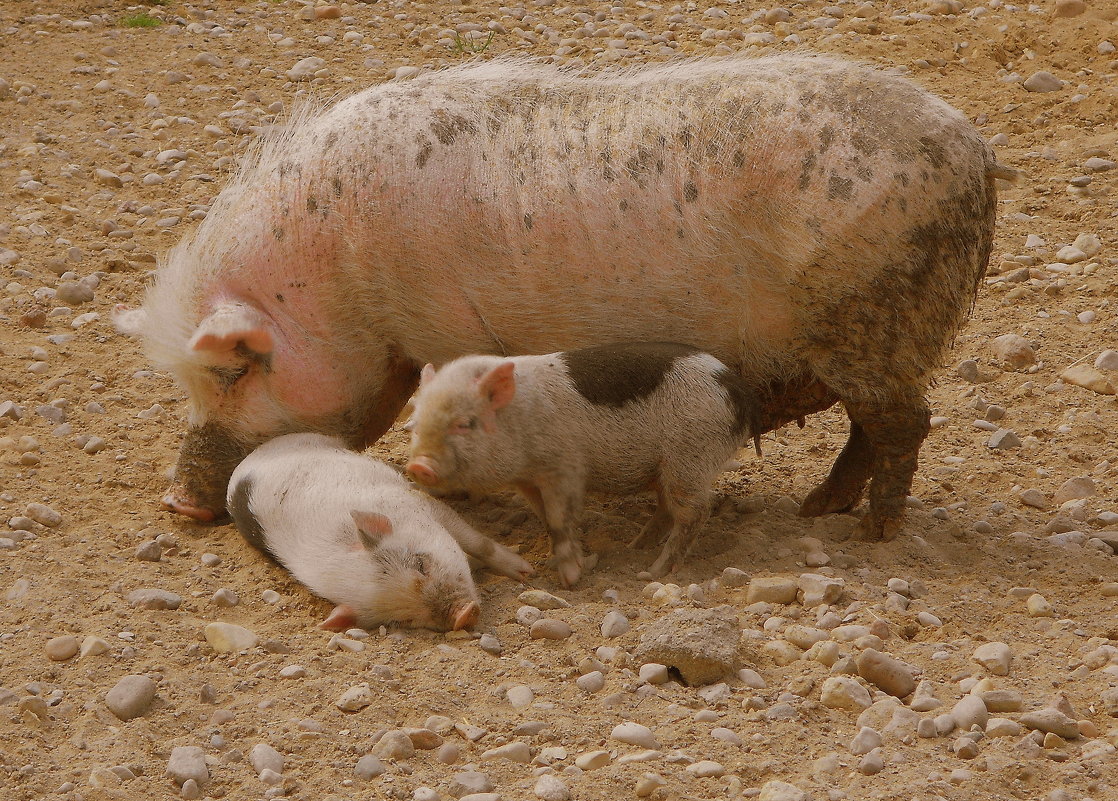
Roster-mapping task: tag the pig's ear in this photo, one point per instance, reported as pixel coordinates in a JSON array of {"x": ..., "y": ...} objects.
[
  {"x": 129, "y": 321},
  {"x": 230, "y": 325},
  {"x": 372, "y": 528},
  {"x": 498, "y": 385},
  {"x": 426, "y": 374}
]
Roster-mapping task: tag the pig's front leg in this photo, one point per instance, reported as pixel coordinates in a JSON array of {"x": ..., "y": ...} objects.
[
  {"x": 490, "y": 554},
  {"x": 562, "y": 510},
  {"x": 689, "y": 512}
]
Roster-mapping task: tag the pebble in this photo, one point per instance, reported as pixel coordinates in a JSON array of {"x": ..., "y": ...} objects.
[
  {"x": 551, "y": 788},
  {"x": 229, "y": 637},
  {"x": 154, "y": 599},
  {"x": 1086, "y": 376},
  {"x": 516, "y": 751},
  {"x": 130, "y": 697},
  {"x": 1002, "y": 700},
  {"x": 93, "y": 646},
  {"x": 355, "y": 699},
  {"x": 305, "y": 68},
  {"x": 490, "y": 644},
  {"x": 395, "y": 745},
  {"x": 1051, "y": 721},
  {"x": 653, "y": 673},
  {"x": 43, "y": 515},
  {"x": 1107, "y": 360},
  {"x": 647, "y": 784},
  {"x": 844, "y": 692},
  {"x": 520, "y": 696},
  {"x": 885, "y": 672},
  {"x": 1002, "y": 727},
  {"x": 469, "y": 782},
  {"x": 592, "y": 760},
  {"x": 368, "y": 767},
  {"x": 781, "y": 791},
  {"x": 865, "y": 741},
  {"x": 772, "y": 589},
  {"x": 1037, "y": 606},
  {"x": 59, "y": 649},
  {"x": 1013, "y": 351},
  {"x": 188, "y": 762},
  {"x": 635, "y": 734},
  {"x": 150, "y": 551},
  {"x": 706, "y": 769},
  {"x": 1035, "y": 498},
  {"x": 263, "y": 757},
  {"x": 1074, "y": 489},
  {"x": 970, "y": 710},
  {"x": 447, "y": 754},
  {"x": 1069, "y": 8},
  {"x": 614, "y": 624},
  {"x": 702, "y": 644},
  {"x": 1043, "y": 81},
  {"x": 818, "y": 589},
  {"x": 1003, "y": 439},
  {"x": 995, "y": 657},
  {"x": 542, "y": 600},
  {"x": 550, "y": 629},
  {"x": 591, "y": 682},
  {"x": 872, "y": 763}
]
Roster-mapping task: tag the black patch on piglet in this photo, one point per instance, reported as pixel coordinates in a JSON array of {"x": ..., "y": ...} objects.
[
  {"x": 614, "y": 375},
  {"x": 244, "y": 519},
  {"x": 746, "y": 406}
]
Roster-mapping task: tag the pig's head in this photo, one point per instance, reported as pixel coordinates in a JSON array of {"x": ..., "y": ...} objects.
[
  {"x": 456, "y": 436},
  {"x": 225, "y": 363},
  {"x": 419, "y": 579}
]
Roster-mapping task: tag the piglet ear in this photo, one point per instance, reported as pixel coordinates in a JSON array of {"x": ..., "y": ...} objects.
[
  {"x": 231, "y": 325},
  {"x": 426, "y": 374},
  {"x": 498, "y": 385},
  {"x": 372, "y": 528}
]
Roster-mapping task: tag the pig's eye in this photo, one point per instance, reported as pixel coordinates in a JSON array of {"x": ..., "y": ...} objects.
[
  {"x": 464, "y": 425},
  {"x": 226, "y": 377}
]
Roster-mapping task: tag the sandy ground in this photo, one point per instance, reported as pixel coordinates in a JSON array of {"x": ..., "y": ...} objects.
[{"x": 83, "y": 91}]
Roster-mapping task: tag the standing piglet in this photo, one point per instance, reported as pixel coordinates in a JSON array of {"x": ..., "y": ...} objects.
[
  {"x": 354, "y": 532},
  {"x": 617, "y": 419}
]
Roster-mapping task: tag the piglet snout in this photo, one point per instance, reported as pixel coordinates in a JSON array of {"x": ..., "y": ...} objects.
[
  {"x": 465, "y": 616},
  {"x": 174, "y": 503},
  {"x": 422, "y": 470}
]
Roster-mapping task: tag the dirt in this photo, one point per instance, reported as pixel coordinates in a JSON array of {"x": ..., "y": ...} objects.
[{"x": 969, "y": 538}]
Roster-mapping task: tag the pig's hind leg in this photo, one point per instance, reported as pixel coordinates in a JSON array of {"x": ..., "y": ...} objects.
[
  {"x": 688, "y": 512},
  {"x": 490, "y": 554},
  {"x": 661, "y": 521}
]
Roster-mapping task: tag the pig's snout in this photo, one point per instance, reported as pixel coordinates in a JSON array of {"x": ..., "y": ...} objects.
[
  {"x": 464, "y": 617},
  {"x": 175, "y": 503},
  {"x": 422, "y": 470}
]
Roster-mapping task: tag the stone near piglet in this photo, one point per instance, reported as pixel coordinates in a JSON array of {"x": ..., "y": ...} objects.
[
  {"x": 354, "y": 532},
  {"x": 763, "y": 209},
  {"x": 616, "y": 419}
]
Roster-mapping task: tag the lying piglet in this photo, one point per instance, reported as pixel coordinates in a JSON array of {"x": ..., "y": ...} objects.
[
  {"x": 356, "y": 533},
  {"x": 617, "y": 419}
]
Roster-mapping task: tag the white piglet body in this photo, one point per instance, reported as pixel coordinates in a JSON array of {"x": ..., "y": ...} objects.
[
  {"x": 616, "y": 419},
  {"x": 353, "y": 531}
]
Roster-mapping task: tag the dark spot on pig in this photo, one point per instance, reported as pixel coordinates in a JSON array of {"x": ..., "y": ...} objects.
[
  {"x": 614, "y": 375},
  {"x": 623, "y": 205},
  {"x": 863, "y": 172},
  {"x": 738, "y": 160},
  {"x": 528, "y": 221},
  {"x": 659, "y": 166},
  {"x": 331, "y": 139},
  {"x": 690, "y": 192},
  {"x": 863, "y": 143},
  {"x": 903, "y": 203},
  {"x": 901, "y": 177},
  {"x": 678, "y": 208},
  {"x": 312, "y": 204},
  {"x": 244, "y": 519},
  {"x": 747, "y": 409},
  {"x": 806, "y": 166},
  {"x": 278, "y": 233},
  {"x": 839, "y": 188},
  {"x": 446, "y": 126},
  {"x": 933, "y": 151},
  {"x": 336, "y": 182},
  {"x": 826, "y": 136},
  {"x": 280, "y": 297},
  {"x": 423, "y": 154},
  {"x": 607, "y": 172},
  {"x": 685, "y": 136},
  {"x": 680, "y": 234}
]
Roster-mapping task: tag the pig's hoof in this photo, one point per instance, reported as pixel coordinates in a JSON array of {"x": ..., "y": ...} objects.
[
  {"x": 569, "y": 570},
  {"x": 825, "y": 500},
  {"x": 874, "y": 528},
  {"x": 175, "y": 504}
]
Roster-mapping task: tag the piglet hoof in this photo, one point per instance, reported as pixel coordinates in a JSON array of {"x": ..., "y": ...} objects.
[
  {"x": 874, "y": 528},
  {"x": 512, "y": 565},
  {"x": 343, "y": 617}
]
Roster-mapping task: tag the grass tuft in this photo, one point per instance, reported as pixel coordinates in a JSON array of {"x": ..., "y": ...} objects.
[{"x": 140, "y": 20}]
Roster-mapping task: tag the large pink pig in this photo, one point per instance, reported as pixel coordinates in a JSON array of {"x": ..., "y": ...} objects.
[{"x": 819, "y": 226}]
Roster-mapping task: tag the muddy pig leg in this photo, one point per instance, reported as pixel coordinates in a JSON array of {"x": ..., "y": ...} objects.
[
  {"x": 562, "y": 513},
  {"x": 844, "y": 485},
  {"x": 689, "y": 511},
  {"x": 491, "y": 554},
  {"x": 660, "y": 522},
  {"x": 401, "y": 377},
  {"x": 895, "y": 433}
]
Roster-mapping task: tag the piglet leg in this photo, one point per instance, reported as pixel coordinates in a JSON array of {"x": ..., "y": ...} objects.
[
  {"x": 562, "y": 511},
  {"x": 343, "y": 617},
  {"x": 490, "y": 554}
]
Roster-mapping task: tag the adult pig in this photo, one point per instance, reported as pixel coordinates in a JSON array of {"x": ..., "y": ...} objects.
[
  {"x": 353, "y": 531},
  {"x": 818, "y": 226}
]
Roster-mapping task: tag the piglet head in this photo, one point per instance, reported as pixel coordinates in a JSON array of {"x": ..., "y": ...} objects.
[
  {"x": 455, "y": 425},
  {"x": 419, "y": 579}
]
